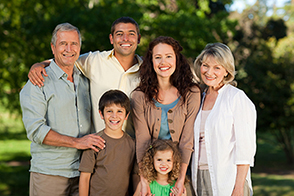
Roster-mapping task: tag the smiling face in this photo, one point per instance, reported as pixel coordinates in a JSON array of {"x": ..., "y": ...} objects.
[
  {"x": 114, "y": 116},
  {"x": 125, "y": 39},
  {"x": 67, "y": 48},
  {"x": 163, "y": 162},
  {"x": 164, "y": 60},
  {"x": 212, "y": 73}
]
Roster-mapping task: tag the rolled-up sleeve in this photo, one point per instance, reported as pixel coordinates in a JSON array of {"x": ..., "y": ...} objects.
[
  {"x": 244, "y": 115},
  {"x": 34, "y": 107}
]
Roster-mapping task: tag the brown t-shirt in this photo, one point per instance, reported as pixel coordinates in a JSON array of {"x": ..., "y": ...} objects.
[{"x": 110, "y": 167}]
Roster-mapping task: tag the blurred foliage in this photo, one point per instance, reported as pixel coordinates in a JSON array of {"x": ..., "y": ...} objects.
[{"x": 264, "y": 54}]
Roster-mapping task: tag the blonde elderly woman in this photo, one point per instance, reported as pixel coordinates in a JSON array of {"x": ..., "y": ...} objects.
[{"x": 224, "y": 130}]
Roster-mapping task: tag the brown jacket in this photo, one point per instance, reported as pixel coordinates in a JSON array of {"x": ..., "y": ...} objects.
[{"x": 147, "y": 118}]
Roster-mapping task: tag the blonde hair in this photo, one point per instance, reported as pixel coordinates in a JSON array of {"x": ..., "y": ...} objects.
[
  {"x": 147, "y": 169},
  {"x": 222, "y": 55}
]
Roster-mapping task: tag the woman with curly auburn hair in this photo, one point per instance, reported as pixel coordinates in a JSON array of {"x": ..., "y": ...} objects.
[{"x": 165, "y": 103}]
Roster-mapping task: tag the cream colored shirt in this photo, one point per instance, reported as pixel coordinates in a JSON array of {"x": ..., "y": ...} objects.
[{"x": 105, "y": 72}]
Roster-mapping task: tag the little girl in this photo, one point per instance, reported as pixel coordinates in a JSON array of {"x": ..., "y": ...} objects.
[{"x": 161, "y": 167}]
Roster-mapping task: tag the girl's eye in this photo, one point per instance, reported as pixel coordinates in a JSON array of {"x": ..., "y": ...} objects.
[{"x": 169, "y": 160}]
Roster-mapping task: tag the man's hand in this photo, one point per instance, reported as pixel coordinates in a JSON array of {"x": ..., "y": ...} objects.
[
  {"x": 90, "y": 141},
  {"x": 36, "y": 71}
]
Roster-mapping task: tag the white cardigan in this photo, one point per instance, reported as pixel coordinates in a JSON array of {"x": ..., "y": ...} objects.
[{"x": 230, "y": 139}]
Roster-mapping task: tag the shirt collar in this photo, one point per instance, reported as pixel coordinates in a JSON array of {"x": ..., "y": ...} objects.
[
  {"x": 59, "y": 72},
  {"x": 219, "y": 90},
  {"x": 139, "y": 59}
]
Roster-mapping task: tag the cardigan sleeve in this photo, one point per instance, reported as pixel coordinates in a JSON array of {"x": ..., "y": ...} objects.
[
  {"x": 244, "y": 115},
  {"x": 186, "y": 142},
  {"x": 143, "y": 137}
]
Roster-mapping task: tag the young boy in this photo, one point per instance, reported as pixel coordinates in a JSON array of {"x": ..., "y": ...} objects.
[{"x": 107, "y": 172}]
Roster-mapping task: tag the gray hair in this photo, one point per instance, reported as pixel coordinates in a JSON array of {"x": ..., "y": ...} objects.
[
  {"x": 64, "y": 27},
  {"x": 223, "y": 55}
]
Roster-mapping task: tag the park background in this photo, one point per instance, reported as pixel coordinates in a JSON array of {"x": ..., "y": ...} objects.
[{"x": 261, "y": 36}]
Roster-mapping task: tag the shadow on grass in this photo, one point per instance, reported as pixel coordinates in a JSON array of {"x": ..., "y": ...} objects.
[
  {"x": 270, "y": 157},
  {"x": 5, "y": 134},
  {"x": 14, "y": 181},
  {"x": 272, "y": 185}
]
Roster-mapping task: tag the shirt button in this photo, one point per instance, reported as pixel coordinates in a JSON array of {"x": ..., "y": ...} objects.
[
  {"x": 81, "y": 125},
  {"x": 172, "y": 131},
  {"x": 170, "y": 120},
  {"x": 170, "y": 111}
]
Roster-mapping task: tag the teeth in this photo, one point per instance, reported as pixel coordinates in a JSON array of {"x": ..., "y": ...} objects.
[
  {"x": 114, "y": 121},
  {"x": 164, "y": 68},
  {"x": 68, "y": 55},
  {"x": 124, "y": 45}
]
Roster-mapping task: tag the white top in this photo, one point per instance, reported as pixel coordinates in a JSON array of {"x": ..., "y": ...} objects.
[
  {"x": 105, "y": 72},
  {"x": 230, "y": 139}
]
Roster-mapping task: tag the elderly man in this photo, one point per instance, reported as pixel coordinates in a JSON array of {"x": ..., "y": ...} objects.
[{"x": 57, "y": 118}]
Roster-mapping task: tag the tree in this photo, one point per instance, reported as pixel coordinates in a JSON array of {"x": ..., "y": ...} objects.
[{"x": 266, "y": 74}]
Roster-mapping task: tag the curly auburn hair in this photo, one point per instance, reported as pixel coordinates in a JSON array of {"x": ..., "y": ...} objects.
[
  {"x": 147, "y": 169},
  {"x": 182, "y": 78}
]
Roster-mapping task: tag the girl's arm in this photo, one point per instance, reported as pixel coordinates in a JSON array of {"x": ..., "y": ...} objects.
[
  {"x": 242, "y": 171},
  {"x": 84, "y": 184}
]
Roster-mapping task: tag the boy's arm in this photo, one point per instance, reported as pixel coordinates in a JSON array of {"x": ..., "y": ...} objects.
[
  {"x": 84, "y": 184},
  {"x": 35, "y": 73}
]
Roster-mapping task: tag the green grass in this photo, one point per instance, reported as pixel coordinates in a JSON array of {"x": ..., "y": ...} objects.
[
  {"x": 14, "y": 146},
  {"x": 273, "y": 185}
]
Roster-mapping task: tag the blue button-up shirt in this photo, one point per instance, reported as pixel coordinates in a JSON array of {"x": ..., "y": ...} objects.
[{"x": 62, "y": 106}]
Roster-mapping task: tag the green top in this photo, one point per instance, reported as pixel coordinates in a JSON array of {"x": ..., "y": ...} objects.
[{"x": 160, "y": 190}]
